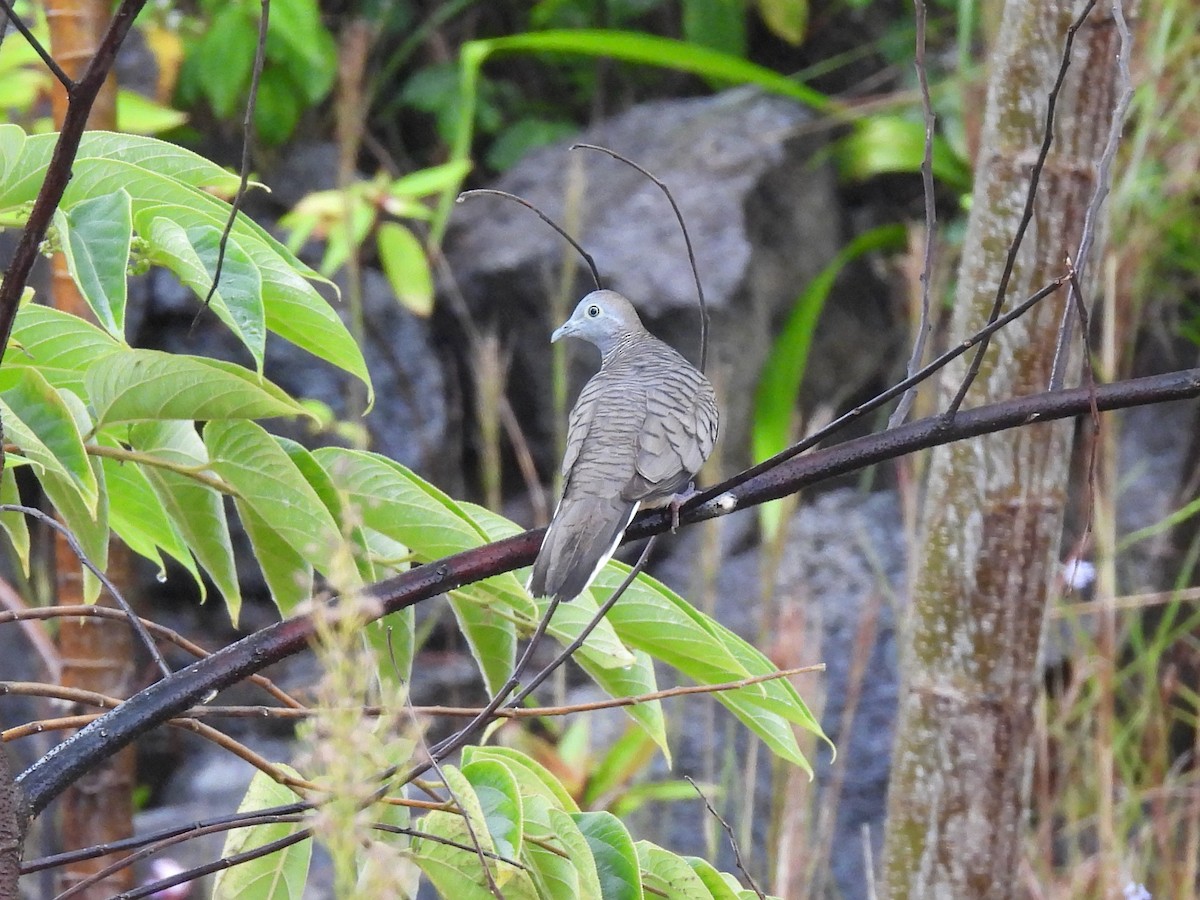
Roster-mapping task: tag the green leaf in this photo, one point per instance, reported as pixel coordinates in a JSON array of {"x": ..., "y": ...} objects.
[
  {"x": 632, "y": 681},
  {"x": 430, "y": 180},
  {"x": 615, "y": 855},
  {"x": 716, "y": 24},
  {"x": 397, "y": 503},
  {"x": 226, "y": 58},
  {"x": 38, "y": 420},
  {"x": 197, "y": 510},
  {"x": 653, "y": 618},
  {"x": 138, "y": 517},
  {"x": 670, "y": 873},
  {"x": 62, "y": 346},
  {"x": 281, "y": 875},
  {"x": 787, "y": 19},
  {"x": 141, "y": 385},
  {"x": 12, "y": 141},
  {"x": 718, "y": 885},
  {"x": 163, "y": 180},
  {"x": 108, "y": 161},
  {"x": 779, "y": 384},
  {"x": 525, "y": 135},
  {"x": 500, "y": 801},
  {"x": 406, "y": 267},
  {"x": 279, "y": 106},
  {"x": 889, "y": 144},
  {"x": 14, "y": 523},
  {"x": 289, "y": 575},
  {"x": 456, "y": 872},
  {"x": 96, "y": 236},
  {"x": 294, "y": 310},
  {"x": 137, "y": 114},
  {"x": 491, "y": 638},
  {"x": 636, "y": 47},
  {"x": 559, "y": 877},
  {"x": 532, "y": 777},
  {"x": 624, "y": 759},
  {"x": 297, "y": 40},
  {"x": 270, "y": 485},
  {"x": 192, "y": 254},
  {"x": 90, "y": 526},
  {"x": 579, "y": 849}
]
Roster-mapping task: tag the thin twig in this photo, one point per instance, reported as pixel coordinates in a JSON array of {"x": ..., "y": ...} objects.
[
  {"x": 260, "y": 55},
  {"x": 35, "y": 634},
  {"x": 925, "y": 326},
  {"x": 1014, "y": 247},
  {"x": 161, "y": 631},
  {"x": 686, "y": 239},
  {"x": 879, "y": 400},
  {"x": 1058, "y": 371},
  {"x": 150, "y": 849},
  {"x": 737, "y": 853},
  {"x": 591, "y": 263},
  {"x": 63, "y": 78},
  {"x": 134, "y": 621},
  {"x": 464, "y": 712},
  {"x": 226, "y": 862}
]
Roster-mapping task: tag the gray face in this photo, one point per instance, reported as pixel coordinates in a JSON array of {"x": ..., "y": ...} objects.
[{"x": 601, "y": 318}]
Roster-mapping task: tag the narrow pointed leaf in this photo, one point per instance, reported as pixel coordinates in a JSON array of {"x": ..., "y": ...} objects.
[
  {"x": 289, "y": 575},
  {"x": 14, "y": 523},
  {"x": 406, "y": 267},
  {"x": 653, "y": 618},
  {"x": 95, "y": 242},
  {"x": 268, "y": 482},
  {"x": 197, "y": 510},
  {"x": 192, "y": 253},
  {"x": 293, "y": 308},
  {"x": 138, "y": 517},
  {"x": 62, "y": 346},
  {"x": 491, "y": 638},
  {"x": 38, "y": 420}
]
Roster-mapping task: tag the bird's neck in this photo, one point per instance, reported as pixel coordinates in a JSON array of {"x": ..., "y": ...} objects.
[{"x": 617, "y": 348}]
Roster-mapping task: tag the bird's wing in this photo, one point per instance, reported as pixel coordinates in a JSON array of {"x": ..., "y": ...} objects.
[
  {"x": 579, "y": 423},
  {"x": 679, "y": 429}
]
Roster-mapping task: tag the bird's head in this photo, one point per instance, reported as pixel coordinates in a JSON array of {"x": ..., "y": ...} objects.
[{"x": 601, "y": 318}]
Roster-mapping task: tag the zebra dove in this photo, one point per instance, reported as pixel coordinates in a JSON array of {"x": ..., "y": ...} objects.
[{"x": 641, "y": 428}]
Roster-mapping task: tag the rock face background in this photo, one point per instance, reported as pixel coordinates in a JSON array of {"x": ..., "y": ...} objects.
[{"x": 765, "y": 216}]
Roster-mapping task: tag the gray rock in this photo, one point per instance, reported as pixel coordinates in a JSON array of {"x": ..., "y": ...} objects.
[{"x": 763, "y": 221}]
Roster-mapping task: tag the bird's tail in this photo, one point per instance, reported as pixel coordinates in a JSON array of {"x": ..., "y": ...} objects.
[{"x": 580, "y": 540}]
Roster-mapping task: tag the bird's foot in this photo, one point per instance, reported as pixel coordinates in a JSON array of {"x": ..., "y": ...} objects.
[{"x": 677, "y": 503}]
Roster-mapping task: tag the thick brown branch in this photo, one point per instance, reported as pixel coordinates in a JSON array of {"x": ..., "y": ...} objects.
[{"x": 58, "y": 174}]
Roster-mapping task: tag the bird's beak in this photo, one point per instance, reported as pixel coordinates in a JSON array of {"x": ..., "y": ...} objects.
[{"x": 567, "y": 327}]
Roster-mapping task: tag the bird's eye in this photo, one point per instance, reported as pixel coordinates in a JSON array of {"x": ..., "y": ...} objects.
[{"x": 593, "y": 310}]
